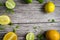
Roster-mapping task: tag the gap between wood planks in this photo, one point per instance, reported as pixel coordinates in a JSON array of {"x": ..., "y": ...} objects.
[{"x": 36, "y": 22}]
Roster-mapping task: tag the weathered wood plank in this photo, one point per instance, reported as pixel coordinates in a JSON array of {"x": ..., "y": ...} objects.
[
  {"x": 32, "y": 13},
  {"x": 23, "y": 16},
  {"x": 26, "y": 28}
]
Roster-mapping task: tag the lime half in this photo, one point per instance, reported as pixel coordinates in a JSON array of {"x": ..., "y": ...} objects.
[
  {"x": 10, "y": 0},
  {"x": 10, "y": 4},
  {"x": 30, "y": 36},
  {"x": 4, "y": 20}
]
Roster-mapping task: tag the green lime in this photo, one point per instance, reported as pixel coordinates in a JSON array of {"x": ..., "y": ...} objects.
[
  {"x": 10, "y": 0},
  {"x": 10, "y": 4},
  {"x": 30, "y": 36},
  {"x": 28, "y": 1},
  {"x": 4, "y": 20},
  {"x": 40, "y": 1}
]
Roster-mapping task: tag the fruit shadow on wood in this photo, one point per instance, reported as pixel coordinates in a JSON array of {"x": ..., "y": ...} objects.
[{"x": 43, "y": 9}]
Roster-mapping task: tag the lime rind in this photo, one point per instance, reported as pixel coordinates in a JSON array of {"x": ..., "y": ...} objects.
[
  {"x": 28, "y": 1},
  {"x": 30, "y": 36}
]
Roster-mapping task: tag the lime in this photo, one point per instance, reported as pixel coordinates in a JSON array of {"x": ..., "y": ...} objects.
[
  {"x": 4, "y": 20},
  {"x": 40, "y": 1},
  {"x": 30, "y": 36},
  {"x": 10, "y": 0},
  {"x": 10, "y": 4},
  {"x": 28, "y": 1}
]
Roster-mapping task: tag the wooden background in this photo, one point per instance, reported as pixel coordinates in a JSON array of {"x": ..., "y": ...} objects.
[{"x": 29, "y": 15}]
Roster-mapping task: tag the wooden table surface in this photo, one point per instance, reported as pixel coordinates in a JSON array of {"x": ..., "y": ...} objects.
[{"x": 29, "y": 15}]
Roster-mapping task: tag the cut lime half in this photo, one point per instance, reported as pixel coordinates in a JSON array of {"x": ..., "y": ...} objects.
[
  {"x": 10, "y": 0},
  {"x": 30, "y": 36},
  {"x": 10, "y": 4}
]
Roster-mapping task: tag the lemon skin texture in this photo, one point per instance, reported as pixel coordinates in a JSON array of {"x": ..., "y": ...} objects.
[{"x": 49, "y": 7}]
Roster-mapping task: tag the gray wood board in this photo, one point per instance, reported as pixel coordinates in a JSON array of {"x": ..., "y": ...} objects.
[
  {"x": 29, "y": 15},
  {"x": 26, "y": 28},
  {"x": 32, "y": 13}
]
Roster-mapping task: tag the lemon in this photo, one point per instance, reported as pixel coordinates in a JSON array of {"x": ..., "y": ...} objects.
[
  {"x": 30, "y": 36},
  {"x": 10, "y": 4},
  {"x": 10, "y": 36},
  {"x": 59, "y": 35},
  {"x": 52, "y": 35},
  {"x": 49, "y": 7},
  {"x": 4, "y": 20}
]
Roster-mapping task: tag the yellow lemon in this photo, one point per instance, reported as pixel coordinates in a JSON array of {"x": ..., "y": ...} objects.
[
  {"x": 10, "y": 36},
  {"x": 59, "y": 35},
  {"x": 49, "y": 7},
  {"x": 4, "y": 20},
  {"x": 52, "y": 35}
]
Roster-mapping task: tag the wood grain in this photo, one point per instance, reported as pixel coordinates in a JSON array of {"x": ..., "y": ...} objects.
[
  {"x": 26, "y": 28},
  {"x": 32, "y": 13},
  {"x": 29, "y": 15}
]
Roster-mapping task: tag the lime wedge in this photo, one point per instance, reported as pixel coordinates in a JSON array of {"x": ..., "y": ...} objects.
[
  {"x": 10, "y": 4},
  {"x": 30, "y": 36},
  {"x": 4, "y": 20}
]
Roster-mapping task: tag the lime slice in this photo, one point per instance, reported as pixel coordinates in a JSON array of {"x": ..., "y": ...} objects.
[
  {"x": 10, "y": 4},
  {"x": 4, "y": 20},
  {"x": 30, "y": 36}
]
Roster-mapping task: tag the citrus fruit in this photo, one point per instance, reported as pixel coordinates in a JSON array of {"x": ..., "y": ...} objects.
[
  {"x": 49, "y": 7},
  {"x": 10, "y": 36},
  {"x": 28, "y": 1},
  {"x": 10, "y": 0},
  {"x": 10, "y": 4},
  {"x": 40, "y": 1},
  {"x": 59, "y": 35},
  {"x": 30, "y": 36},
  {"x": 4, "y": 20},
  {"x": 52, "y": 35}
]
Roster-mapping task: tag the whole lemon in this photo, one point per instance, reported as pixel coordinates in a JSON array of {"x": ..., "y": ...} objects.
[
  {"x": 52, "y": 35},
  {"x": 49, "y": 7}
]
